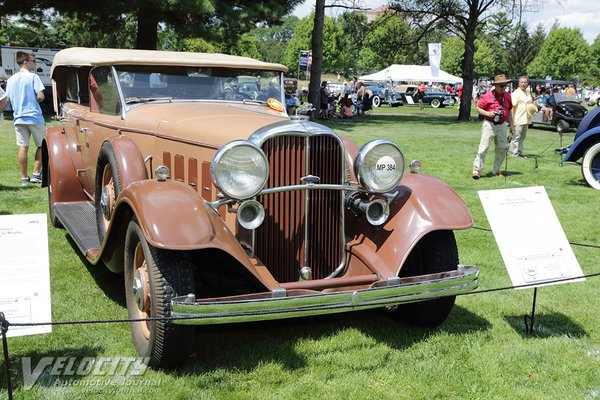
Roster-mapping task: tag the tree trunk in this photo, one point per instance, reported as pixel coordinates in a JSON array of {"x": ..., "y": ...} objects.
[
  {"x": 317, "y": 57},
  {"x": 147, "y": 35},
  {"x": 470, "y": 29}
]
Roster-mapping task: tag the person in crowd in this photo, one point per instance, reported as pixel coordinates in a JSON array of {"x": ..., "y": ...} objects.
[
  {"x": 459, "y": 91},
  {"x": 346, "y": 106},
  {"x": 420, "y": 94},
  {"x": 570, "y": 91},
  {"x": 495, "y": 107},
  {"x": 324, "y": 100},
  {"x": 360, "y": 93},
  {"x": 354, "y": 86},
  {"x": 521, "y": 102},
  {"x": 25, "y": 92},
  {"x": 542, "y": 103}
]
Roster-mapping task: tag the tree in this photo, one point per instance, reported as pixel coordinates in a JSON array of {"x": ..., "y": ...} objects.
[
  {"x": 223, "y": 19},
  {"x": 383, "y": 45},
  {"x": 272, "y": 42},
  {"x": 564, "y": 55},
  {"x": 464, "y": 18}
]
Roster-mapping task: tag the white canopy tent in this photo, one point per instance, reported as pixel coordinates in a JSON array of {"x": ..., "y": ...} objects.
[{"x": 410, "y": 73}]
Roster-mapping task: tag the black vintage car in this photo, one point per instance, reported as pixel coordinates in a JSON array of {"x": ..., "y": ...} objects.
[{"x": 567, "y": 113}]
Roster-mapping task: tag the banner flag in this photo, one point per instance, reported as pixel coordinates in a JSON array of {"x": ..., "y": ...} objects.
[{"x": 435, "y": 56}]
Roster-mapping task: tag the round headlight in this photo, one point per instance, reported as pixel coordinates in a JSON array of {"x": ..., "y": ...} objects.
[
  {"x": 379, "y": 166},
  {"x": 240, "y": 170}
]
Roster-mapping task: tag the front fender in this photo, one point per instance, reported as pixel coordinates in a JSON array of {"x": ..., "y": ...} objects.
[
  {"x": 423, "y": 204},
  {"x": 583, "y": 142},
  {"x": 172, "y": 216},
  {"x": 65, "y": 184}
]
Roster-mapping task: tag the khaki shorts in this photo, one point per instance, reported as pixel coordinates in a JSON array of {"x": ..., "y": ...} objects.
[{"x": 25, "y": 131}]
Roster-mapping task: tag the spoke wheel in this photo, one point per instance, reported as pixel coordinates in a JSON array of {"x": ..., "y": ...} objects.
[
  {"x": 590, "y": 167},
  {"x": 152, "y": 278},
  {"x": 108, "y": 188},
  {"x": 436, "y": 252}
]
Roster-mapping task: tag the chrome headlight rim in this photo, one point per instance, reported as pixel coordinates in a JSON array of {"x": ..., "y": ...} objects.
[
  {"x": 360, "y": 161},
  {"x": 220, "y": 156}
]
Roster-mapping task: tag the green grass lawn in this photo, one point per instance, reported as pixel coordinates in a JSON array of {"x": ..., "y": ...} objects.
[{"x": 480, "y": 352}]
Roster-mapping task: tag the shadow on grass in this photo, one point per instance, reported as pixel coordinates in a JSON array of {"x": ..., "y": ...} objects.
[
  {"x": 19, "y": 367},
  {"x": 547, "y": 325},
  {"x": 109, "y": 282},
  {"x": 247, "y": 346}
]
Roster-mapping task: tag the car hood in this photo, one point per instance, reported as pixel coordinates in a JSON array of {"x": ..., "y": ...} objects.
[{"x": 211, "y": 124}]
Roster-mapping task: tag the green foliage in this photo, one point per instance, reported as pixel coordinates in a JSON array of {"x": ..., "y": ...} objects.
[
  {"x": 488, "y": 60},
  {"x": 356, "y": 26},
  {"x": 335, "y": 58},
  {"x": 520, "y": 51},
  {"x": 453, "y": 49},
  {"x": 272, "y": 41},
  {"x": 563, "y": 55},
  {"x": 385, "y": 43}
]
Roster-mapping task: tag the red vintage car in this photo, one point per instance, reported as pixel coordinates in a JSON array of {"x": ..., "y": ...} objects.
[{"x": 218, "y": 207}]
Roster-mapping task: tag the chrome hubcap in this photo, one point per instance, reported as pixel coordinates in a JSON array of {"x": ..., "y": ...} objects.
[{"x": 139, "y": 294}]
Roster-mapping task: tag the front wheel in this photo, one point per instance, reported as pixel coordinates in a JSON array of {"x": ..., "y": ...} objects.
[
  {"x": 152, "y": 278},
  {"x": 435, "y": 103},
  {"x": 376, "y": 101},
  {"x": 590, "y": 167},
  {"x": 436, "y": 252}
]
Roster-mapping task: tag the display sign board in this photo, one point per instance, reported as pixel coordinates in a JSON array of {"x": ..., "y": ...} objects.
[
  {"x": 531, "y": 240},
  {"x": 25, "y": 273}
]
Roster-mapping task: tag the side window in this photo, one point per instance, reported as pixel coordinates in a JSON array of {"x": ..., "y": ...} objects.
[
  {"x": 103, "y": 92},
  {"x": 72, "y": 93}
]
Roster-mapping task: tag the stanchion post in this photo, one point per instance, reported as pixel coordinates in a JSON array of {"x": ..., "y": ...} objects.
[
  {"x": 529, "y": 319},
  {"x": 4, "y": 328}
]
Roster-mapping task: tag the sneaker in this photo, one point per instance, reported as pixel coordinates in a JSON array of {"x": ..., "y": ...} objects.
[
  {"x": 475, "y": 175},
  {"x": 36, "y": 178},
  {"x": 24, "y": 182},
  {"x": 500, "y": 173}
]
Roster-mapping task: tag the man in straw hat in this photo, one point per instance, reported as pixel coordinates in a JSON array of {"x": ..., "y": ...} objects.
[
  {"x": 523, "y": 109},
  {"x": 495, "y": 107}
]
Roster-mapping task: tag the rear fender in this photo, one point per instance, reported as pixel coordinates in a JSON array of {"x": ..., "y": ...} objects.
[
  {"x": 66, "y": 186},
  {"x": 423, "y": 204},
  {"x": 172, "y": 216},
  {"x": 131, "y": 162}
]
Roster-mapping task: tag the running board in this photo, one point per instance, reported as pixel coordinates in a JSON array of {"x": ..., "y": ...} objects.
[{"x": 79, "y": 218}]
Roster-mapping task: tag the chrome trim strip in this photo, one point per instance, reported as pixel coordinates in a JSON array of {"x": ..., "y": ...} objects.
[{"x": 464, "y": 280}]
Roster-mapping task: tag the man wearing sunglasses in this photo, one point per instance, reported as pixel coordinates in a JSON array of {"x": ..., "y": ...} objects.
[
  {"x": 25, "y": 91},
  {"x": 495, "y": 107}
]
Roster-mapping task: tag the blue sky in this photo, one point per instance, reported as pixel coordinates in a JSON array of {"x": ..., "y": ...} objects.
[{"x": 582, "y": 14}]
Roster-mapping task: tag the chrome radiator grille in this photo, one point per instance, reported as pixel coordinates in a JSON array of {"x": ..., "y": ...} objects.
[{"x": 302, "y": 227}]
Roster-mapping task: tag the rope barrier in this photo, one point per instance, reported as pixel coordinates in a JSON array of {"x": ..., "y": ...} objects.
[{"x": 5, "y": 324}]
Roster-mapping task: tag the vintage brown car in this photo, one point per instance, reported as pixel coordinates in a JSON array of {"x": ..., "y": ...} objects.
[{"x": 218, "y": 207}]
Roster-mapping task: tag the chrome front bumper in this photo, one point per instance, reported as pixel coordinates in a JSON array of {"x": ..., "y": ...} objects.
[{"x": 299, "y": 303}]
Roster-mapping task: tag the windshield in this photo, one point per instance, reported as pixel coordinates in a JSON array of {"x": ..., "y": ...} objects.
[
  {"x": 560, "y": 97},
  {"x": 167, "y": 83}
]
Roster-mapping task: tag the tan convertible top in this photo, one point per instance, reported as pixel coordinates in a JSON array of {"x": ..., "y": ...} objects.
[{"x": 80, "y": 56}]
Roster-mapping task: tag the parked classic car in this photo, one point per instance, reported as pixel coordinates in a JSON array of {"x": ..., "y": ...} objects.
[
  {"x": 221, "y": 209},
  {"x": 435, "y": 98},
  {"x": 568, "y": 113},
  {"x": 382, "y": 94},
  {"x": 586, "y": 146}
]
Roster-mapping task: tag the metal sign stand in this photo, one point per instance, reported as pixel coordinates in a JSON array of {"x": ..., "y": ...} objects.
[
  {"x": 529, "y": 319},
  {"x": 4, "y": 327}
]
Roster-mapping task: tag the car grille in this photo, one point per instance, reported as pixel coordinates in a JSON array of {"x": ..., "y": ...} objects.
[{"x": 301, "y": 227}]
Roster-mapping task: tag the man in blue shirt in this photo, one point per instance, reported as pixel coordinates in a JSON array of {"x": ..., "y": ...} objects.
[{"x": 25, "y": 91}]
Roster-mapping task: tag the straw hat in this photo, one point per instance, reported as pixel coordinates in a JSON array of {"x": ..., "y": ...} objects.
[
  {"x": 531, "y": 109},
  {"x": 500, "y": 79}
]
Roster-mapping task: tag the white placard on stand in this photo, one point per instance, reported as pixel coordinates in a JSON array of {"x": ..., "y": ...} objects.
[
  {"x": 25, "y": 273},
  {"x": 531, "y": 240}
]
